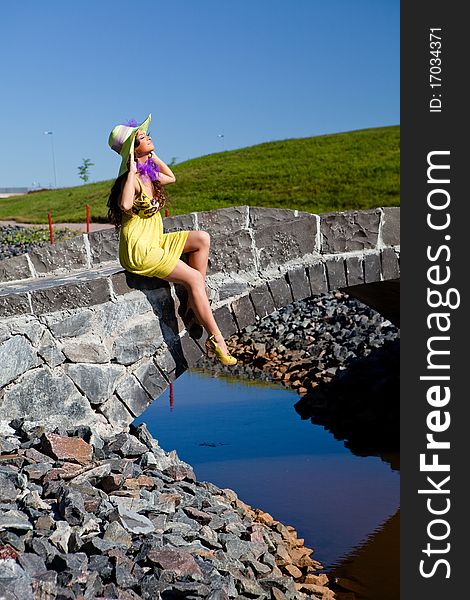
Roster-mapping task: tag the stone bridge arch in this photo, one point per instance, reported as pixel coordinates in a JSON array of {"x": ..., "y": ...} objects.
[{"x": 83, "y": 341}]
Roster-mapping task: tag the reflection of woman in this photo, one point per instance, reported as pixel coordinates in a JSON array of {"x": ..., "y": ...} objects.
[{"x": 135, "y": 201}]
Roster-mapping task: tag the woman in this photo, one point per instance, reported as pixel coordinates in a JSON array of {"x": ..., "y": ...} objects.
[{"x": 135, "y": 202}]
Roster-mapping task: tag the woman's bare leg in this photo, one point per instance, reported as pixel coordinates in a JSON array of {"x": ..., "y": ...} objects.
[
  {"x": 193, "y": 280},
  {"x": 197, "y": 246}
]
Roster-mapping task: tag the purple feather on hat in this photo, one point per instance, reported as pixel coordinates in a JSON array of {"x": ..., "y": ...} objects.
[{"x": 131, "y": 123}]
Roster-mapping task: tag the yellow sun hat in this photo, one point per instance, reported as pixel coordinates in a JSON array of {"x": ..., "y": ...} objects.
[{"x": 122, "y": 137}]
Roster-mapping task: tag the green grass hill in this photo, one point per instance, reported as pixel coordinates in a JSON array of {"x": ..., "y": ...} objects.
[{"x": 342, "y": 171}]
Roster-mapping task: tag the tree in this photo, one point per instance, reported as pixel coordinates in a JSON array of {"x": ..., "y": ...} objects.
[{"x": 83, "y": 169}]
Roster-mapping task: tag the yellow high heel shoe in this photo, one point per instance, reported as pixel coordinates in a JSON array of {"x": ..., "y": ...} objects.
[{"x": 213, "y": 348}]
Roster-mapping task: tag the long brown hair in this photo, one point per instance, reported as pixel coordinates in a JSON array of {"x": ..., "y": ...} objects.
[{"x": 114, "y": 211}]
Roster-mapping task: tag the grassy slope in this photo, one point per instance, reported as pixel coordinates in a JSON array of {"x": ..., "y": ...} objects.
[{"x": 352, "y": 170}]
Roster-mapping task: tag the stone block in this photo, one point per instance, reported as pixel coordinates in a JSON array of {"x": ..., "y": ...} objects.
[
  {"x": 104, "y": 246},
  {"x": 64, "y": 325},
  {"x": 165, "y": 360},
  {"x": 190, "y": 350},
  {"x": 223, "y": 221},
  {"x": 372, "y": 268},
  {"x": 390, "y": 265},
  {"x": 184, "y": 222},
  {"x": 354, "y": 270},
  {"x": 232, "y": 253},
  {"x": 136, "y": 340},
  {"x": 284, "y": 241},
  {"x": 72, "y": 295},
  {"x": 349, "y": 231},
  {"x": 47, "y": 397},
  {"x": 68, "y": 255},
  {"x": 262, "y": 217},
  {"x": 391, "y": 226},
  {"x": 228, "y": 289},
  {"x": 226, "y": 321},
  {"x": 133, "y": 395},
  {"x": 335, "y": 273},
  {"x": 299, "y": 283},
  {"x": 281, "y": 292},
  {"x": 96, "y": 382},
  {"x": 317, "y": 278},
  {"x": 28, "y": 325},
  {"x": 125, "y": 282},
  {"x": 86, "y": 348},
  {"x": 16, "y": 267},
  {"x": 112, "y": 317},
  {"x": 121, "y": 284},
  {"x": 14, "y": 305},
  {"x": 16, "y": 357},
  {"x": 151, "y": 379},
  {"x": 49, "y": 351},
  {"x": 116, "y": 413},
  {"x": 262, "y": 300},
  {"x": 244, "y": 312}
]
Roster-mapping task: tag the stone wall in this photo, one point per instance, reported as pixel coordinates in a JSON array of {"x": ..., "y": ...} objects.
[{"x": 83, "y": 341}]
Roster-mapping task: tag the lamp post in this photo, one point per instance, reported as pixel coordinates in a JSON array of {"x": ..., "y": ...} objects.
[
  {"x": 221, "y": 135},
  {"x": 53, "y": 157}
]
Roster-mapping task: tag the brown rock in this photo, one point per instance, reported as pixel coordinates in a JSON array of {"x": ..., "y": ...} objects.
[
  {"x": 321, "y": 579},
  {"x": 66, "y": 471},
  {"x": 299, "y": 552},
  {"x": 282, "y": 556},
  {"x": 61, "y": 447},
  {"x": 293, "y": 571},
  {"x": 112, "y": 482},
  {"x": 263, "y": 517},
  {"x": 179, "y": 562},
  {"x": 276, "y": 594},
  {"x": 45, "y": 522},
  {"x": 143, "y": 481},
  {"x": 8, "y": 551}
]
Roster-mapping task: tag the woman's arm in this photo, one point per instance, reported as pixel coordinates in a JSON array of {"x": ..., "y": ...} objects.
[
  {"x": 126, "y": 199},
  {"x": 166, "y": 174}
]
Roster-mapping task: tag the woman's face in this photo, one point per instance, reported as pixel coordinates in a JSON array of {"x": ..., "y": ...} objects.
[{"x": 143, "y": 144}]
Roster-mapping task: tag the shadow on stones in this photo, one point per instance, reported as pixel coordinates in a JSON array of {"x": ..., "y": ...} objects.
[{"x": 361, "y": 405}]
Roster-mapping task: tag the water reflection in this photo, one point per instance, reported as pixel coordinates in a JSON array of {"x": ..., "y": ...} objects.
[{"x": 248, "y": 437}]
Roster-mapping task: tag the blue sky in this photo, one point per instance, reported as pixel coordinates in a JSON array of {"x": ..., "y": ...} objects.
[{"x": 252, "y": 70}]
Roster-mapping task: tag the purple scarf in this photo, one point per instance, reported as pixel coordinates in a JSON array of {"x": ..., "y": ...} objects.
[{"x": 149, "y": 168}]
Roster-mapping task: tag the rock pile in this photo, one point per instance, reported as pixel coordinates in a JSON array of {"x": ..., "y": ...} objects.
[
  {"x": 307, "y": 342},
  {"x": 15, "y": 240},
  {"x": 90, "y": 518}
]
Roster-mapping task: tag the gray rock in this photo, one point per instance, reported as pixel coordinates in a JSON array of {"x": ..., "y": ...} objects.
[
  {"x": 85, "y": 349},
  {"x": 16, "y": 357},
  {"x": 40, "y": 395},
  {"x": 8, "y": 491},
  {"x": 62, "y": 324},
  {"x": 49, "y": 351},
  {"x": 136, "y": 340},
  {"x": 116, "y": 413},
  {"x": 116, "y": 533},
  {"x": 134, "y": 522},
  {"x": 133, "y": 395},
  {"x": 95, "y": 381},
  {"x": 16, "y": 520}
]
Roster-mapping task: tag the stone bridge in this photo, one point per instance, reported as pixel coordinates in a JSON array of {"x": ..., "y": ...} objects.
[{"x": 83, "y": 341}]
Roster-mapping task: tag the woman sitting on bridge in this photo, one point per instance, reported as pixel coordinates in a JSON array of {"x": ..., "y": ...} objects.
[{"x": 135, "y": 202}]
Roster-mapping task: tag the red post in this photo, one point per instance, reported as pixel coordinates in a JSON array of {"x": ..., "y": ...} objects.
[
  {"x": 172, "y": 398},
  {"x": 166, "y": 212},
  {"x": 51, "y": 235},
  {"x": 88, "y": 218}
]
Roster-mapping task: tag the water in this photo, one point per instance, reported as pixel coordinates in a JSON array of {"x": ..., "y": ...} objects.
[{"x": 246, "y": 436}]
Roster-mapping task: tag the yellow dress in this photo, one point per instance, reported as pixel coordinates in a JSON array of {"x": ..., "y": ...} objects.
[{"x": 143, "y": 247}]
